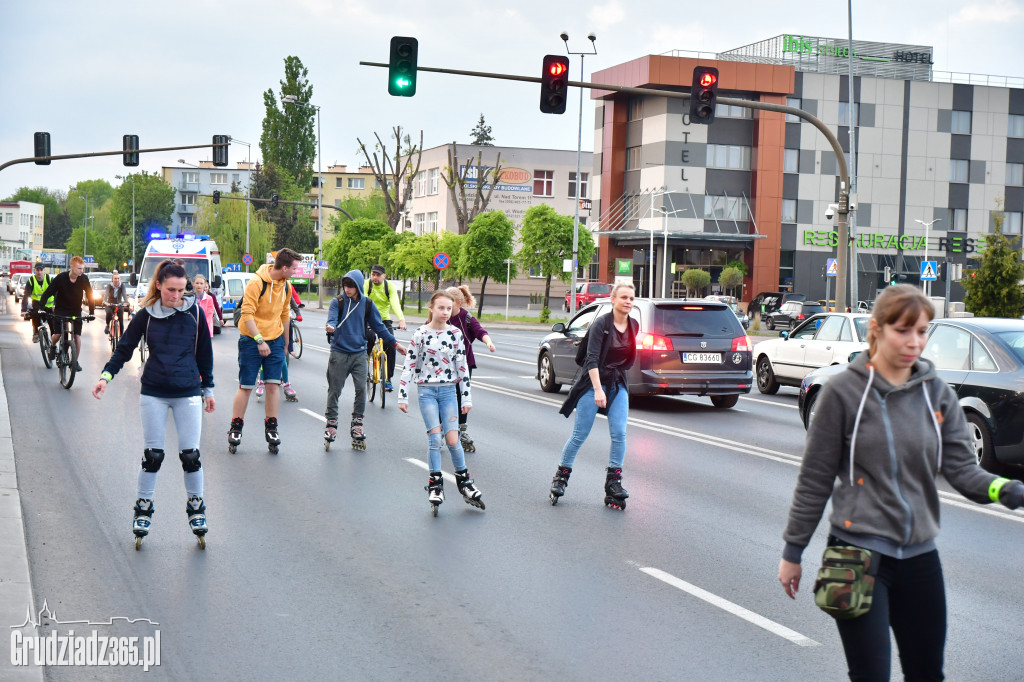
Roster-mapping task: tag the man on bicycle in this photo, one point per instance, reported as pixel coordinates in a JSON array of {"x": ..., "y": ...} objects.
[
  {"x": 385, "y": 298},
  {"x": 33, "y": 298},
  {"x": 68, "y": 288},
  {"x": 113, "y": 297}
]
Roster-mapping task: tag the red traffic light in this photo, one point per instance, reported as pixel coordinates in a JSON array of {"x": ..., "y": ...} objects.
[
  {"x": 557, "y": 69},
  {"x": 707, "y": 79}
]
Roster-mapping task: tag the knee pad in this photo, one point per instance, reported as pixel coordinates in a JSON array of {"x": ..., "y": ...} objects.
[
  {"x": 436, "y": 440},
  {"x": 190, "y": 460},
  {"x": 152, "y": 459}
]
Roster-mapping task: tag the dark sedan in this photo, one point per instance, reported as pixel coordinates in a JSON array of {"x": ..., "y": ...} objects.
[
  {"x": 692, "y": 347},
  {"x": 982, "y": 359},
  {"x": 793, "y": 313}
]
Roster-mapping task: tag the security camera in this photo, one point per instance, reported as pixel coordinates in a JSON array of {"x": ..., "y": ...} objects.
[
  {"x": 591, "y": 37},
  {"x": 565, "y": 36},
  {"x": 830, "y": 213}
]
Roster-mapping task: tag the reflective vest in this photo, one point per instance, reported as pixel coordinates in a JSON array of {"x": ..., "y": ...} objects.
[{"x": 38, "y": 289}]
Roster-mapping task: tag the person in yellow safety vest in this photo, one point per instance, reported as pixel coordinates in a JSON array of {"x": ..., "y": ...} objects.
[{"x": 34, "y": 288}]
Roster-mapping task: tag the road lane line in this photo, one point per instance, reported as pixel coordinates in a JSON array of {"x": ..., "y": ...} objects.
[
  {"x": 955, "y": 500},
  {"x": 313, "y": 414},
  {"x": 426, "y": 467},
  {"x": 770, "y": 402},
  {"x": 735, "y": 609}
]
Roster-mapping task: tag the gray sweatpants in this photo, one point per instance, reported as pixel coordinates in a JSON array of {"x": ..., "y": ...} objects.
[
  {"x": 339, "y": 367},
  {"x": 188, "y": 422}
]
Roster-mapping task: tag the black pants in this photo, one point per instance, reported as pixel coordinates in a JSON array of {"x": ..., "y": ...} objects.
[
  {"x": 371, "y": 338},
  {"x": 910, "y": 598},
  {"x": 458, "y": 399},
  {"x": 35, "y": 305},
  {"x": 110, "y": 315}
]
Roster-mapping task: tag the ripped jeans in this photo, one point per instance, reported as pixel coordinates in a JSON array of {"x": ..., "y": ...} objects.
[{"x": 439, "y": 407}]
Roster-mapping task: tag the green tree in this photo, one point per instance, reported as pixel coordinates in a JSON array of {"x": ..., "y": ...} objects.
[
  {"x": 695, "y": 279},
  {"x": 293, "y": 224},
  {"x": 343, "y": 252},
  {"x": 546, "y": 240},
  {"x": 485, "y": 247},
  {"x": 482, "y": 134},
  {"x": 371, "y": 206},
  {"x": 414, "y": 257},
  {"x": 995, "y": 289},
  {"x": 225, "y": 223},
  {"x": 289, "y": 137},
  {"x": 154, "y": 209},
  {"x": 730, "y": 278},
  {"x": 739, "y": 265}
]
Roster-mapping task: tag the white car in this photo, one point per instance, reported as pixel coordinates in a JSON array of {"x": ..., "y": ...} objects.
[{"x": 822, "y": 340}]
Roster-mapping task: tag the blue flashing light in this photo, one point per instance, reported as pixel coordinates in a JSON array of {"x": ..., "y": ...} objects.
[
  {"x": 188, "y": 236},
  {"x": 158, "y": 235}
]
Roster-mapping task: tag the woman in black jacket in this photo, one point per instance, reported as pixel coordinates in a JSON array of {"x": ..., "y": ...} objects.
[
  {"x": 178, "y": 377},
  {"x": 601, "y": 387}
]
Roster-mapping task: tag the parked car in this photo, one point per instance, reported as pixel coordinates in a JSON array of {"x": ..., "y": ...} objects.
[
  {"x": 12, "y": 282},
  {"x": 768, "y": 302},
  {"x": 19, "y": 280},
  {"x": 234, "y": 287},
  {"x": 792, "y": 313},
  {"x": 734, "y": 304},
  {"x": 982, "y": 359},
  {"x": 684, "y": 347},
  {"x": 587, "y": 293},
  {"x": 823, "y": 339}
]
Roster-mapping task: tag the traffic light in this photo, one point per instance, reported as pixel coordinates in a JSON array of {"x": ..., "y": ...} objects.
[
  {"x": 42, "y": 148},
  {"x": 273, "y": 200},
  {"x": 402, "y": 66},
  {"x": 130, "y": 145},
  {"x": 554, "y": 80},
  {"x": 220, "y": 150},
  {"x": 216, "y": 196},
  {"x": 704, "y": 95},
  {"x": 887, "y": 275}
]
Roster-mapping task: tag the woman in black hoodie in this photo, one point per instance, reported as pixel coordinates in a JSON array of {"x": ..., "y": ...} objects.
[{"x": 178, "y": 377}]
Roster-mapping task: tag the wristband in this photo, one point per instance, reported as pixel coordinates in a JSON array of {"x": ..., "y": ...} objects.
[
  {"x": 995, "y": 487},
  {"x": 107, "y": 376},
  {"x": 258, "y": 338}
]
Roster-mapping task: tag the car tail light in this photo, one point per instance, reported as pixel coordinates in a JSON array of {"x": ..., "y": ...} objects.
[
  {"x": 653, "y": 342},
  {"x": 693, "y": 307},
  {"x": 741, "y": 343},
  {"x": 800, "y": 316}
]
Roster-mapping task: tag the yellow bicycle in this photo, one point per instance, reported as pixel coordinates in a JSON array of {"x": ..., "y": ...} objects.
[{"x": 377, "y": 371}]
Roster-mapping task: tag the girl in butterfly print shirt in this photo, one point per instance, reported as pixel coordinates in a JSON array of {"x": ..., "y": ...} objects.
[{"x": 436, "y": 363}]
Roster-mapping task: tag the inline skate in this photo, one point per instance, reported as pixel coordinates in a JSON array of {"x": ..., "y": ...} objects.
[
  {"x": 467, "y": 440},
  {"x": 356, "y": 431},
  {"x": 330, "y": 433},
  {"x": 143, "y": 519},
  {"x": 289, "y": 393},
  {"x": 195, "y": 508},
  {"x": 235, "y": 434},
  {"x": 558, "y": 483},
  {"x": 470, "y": 493},
  {"x": 614, "y": 494},
  {"x": 259, "y": 390},
  {"x": 270, "y": 433},
  {"x": 435, "y": 491}
]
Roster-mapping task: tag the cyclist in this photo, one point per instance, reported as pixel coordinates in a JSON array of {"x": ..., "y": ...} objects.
[
  {"x": 33, "y": 298},
  {"x": 68, "y": 288},
  {"x": 385, "y": 298},
  {"x": 112, "y": 297}
]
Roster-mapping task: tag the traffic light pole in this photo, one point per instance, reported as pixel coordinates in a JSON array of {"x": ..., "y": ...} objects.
[
  {"x": 120, "y": 152},
  {"x": 843, "y": 252}
]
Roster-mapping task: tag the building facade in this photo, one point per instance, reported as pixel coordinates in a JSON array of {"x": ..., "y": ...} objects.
[
  {"x": 341, "y": 184},
  {"x": 193, "y": 181},
  {"x": 937, "y": 163},
  {"x": 21, "y": 230}
]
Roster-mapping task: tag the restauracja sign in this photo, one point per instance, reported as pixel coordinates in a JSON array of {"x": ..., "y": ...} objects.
[{"x": 892, "y": 242}]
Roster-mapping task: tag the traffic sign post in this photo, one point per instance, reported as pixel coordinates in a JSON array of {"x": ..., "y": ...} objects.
[
  {"x": 831, "y": 270},
  {"x": 441, "y": 261},
  {"x": 247, "y": 259},
  {"x": 929, "y": 270}
]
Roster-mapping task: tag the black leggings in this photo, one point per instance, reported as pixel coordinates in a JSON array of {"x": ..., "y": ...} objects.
[
  {"x": 910, "y": 598},
  {"x": 458, "y": 399}
]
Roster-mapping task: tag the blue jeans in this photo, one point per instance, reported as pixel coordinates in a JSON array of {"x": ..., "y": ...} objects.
[
  {"x": 439, "y": 407},
  {"x": 586, "y": 412},
  {"x": 250, "y": 361}
]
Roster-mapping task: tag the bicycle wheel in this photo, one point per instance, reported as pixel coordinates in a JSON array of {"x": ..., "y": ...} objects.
[
  {"x": 296, "y": 336},
  {"x": 383, "y": 377},
  {"x": 44, "y": 345},
  {"x": 115, "y": 334},
  {"x": 371, "y": 383},
  {"x": 69, "y": 357}
]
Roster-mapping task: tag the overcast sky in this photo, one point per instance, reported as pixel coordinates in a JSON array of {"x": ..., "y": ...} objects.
[{"x": 177, "y": 73}]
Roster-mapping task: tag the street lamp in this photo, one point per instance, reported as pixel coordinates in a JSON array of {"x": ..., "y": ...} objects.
[
  {"x": 664, "y": 256},
  {"x": 131, "y": 180},
  {"x": 85, "y": 219},
  {"x": 292, "y": 99},
  {"x": 579, "y": 180},
  {"x": 926, "y": 285},
  {"x": 248, "y": 187}
]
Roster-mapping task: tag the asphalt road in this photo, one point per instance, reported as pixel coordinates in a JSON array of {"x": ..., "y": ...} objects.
[{"x": 329, "y": 565}]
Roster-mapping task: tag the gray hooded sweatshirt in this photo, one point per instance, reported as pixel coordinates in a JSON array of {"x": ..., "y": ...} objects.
[{"x": 876, "y": 449}]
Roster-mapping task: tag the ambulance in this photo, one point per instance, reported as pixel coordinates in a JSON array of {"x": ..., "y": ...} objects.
[{"x": 199, "y": 253}]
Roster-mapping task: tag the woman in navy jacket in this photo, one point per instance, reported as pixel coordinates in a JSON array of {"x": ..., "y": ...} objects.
[{"x": 177, "y": 377}]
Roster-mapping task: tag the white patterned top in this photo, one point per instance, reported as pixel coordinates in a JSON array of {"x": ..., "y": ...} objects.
[{"x": 436, "y": 356}]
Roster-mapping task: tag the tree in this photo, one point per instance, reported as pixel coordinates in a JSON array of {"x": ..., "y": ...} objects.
[
  {"x": 486, "y": 246},
  {"x": 546, "y": 242},
  {"x": 343, "y": 251},
  {"x": 293, "y": 224},
  {"x": 696, "y": 279},
  {"x": 415, "y": 254},
  {"x": 225, "y": 223},
  {"x": 739, "y": 265},
  {"x": 289, "y": 139},
  {"x": 456, "y": 178},
  {"x": 154, "y": 209},
  {"x": 994, "y": 289},
  {"x": 730, "y": 278},
  {"x": 394, "y": 173},
  {"x": 482, "y": 134}
]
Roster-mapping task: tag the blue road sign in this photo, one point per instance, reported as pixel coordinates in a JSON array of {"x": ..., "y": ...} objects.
[
  {"x": 929, "y": 270},
  {"x": 247, "y": 259},
  {"x": 441, "y": 261},
  {"x": 831, "y": 268},
  {"x": 89, "y": 259},
  {"x": 233, "y": 267}
]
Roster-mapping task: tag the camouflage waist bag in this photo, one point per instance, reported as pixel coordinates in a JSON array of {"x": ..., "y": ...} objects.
[{"x": 846, "y": 581}]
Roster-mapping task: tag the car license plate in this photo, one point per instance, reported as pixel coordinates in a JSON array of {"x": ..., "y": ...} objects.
[{"x": 703, "y": 357}]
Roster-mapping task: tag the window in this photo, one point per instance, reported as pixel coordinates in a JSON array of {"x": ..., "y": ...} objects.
[
  {"x": 10, "y": 218},
  {"x": 356, "y": 183},
  {"x": 791, "y": 161},
  {"x": 432, "y": 222},
  {"x": 1016, "y": 126},
  {"x": 636, "y": 108},
  {"x": 789, "y": 210},
  {"x": 339, "y": 183},
  {"x": 948, "y": 348},
  {"x": 543, "y": 183},
  {"x": 831, "y": 329},
  {"x": 980, "y": 359},
  {"x": 786, "y": 261},
  {"x": 191, "y": 176},
  {"x": 729, "y": 111},
  {"x": 432, "y": 183},
  {"x": 722, "y": 208},
  {"x": 731, "y": 156},
  {"x": 1012, "y": 222},
  {"x": 960, "y": 124},
  {"x": 572, "y": 185},
  {"x": 844, "y": 114},
  {"x": 419, "y": 222},
  {"x": 218, "y": 178},
  {"x": 793, "y": 102},
  {"x": 188, "y": 199},
  {"x": 632, "y": 158},
  {"x": 421, "y": 184},
  {"x": 958, "y": 170},
  {"x": 188, "y": 220},
  {"x": 958, "y": 219},
  {"x": 1015, "y": 174},
  {"x": 235, "y": 178},
  {"x": 537, "y": 272}
]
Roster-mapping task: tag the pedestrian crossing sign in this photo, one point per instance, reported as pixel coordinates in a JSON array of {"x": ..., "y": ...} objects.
[
  {"x": 928, "y": 270},
  {"x": 831, "y": 268}
]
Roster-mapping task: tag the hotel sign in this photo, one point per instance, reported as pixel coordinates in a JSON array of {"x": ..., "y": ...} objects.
[{"x": 828, "y": 47}]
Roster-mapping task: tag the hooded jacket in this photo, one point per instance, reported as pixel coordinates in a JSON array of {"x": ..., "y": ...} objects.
[
  {"x": 350, "y": 316},
  {"x": 180, "y": 360},
  {"x": 269, "y": 309},
  {"x": 471, "y": 331},
  {"x": 876, "y": 449}
]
